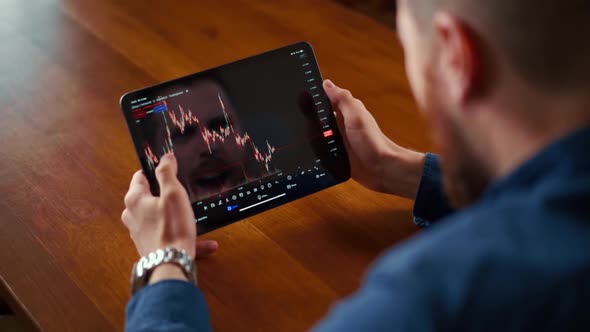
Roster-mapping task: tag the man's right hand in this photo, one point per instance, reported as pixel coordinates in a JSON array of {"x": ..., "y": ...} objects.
[{"x": 376, "y": 162}]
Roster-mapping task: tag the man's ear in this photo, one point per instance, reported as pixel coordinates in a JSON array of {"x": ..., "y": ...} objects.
[{"x": 459, "y": 62}]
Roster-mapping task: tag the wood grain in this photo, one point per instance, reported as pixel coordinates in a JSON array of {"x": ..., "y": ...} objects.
[{"x": 67, "y": 159}]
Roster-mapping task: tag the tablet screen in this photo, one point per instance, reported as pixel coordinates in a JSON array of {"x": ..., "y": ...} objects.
[{"x": 247, "y": 136}]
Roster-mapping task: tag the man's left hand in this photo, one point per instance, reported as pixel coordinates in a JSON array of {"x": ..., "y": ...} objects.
[{"x": 164, "y": 221}]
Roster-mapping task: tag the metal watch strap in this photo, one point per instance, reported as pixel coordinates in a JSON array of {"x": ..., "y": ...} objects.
[{"x": 143, "y": 269}]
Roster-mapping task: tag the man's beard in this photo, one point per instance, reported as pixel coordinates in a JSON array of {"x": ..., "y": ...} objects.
[{"x": 464, "y": 176}]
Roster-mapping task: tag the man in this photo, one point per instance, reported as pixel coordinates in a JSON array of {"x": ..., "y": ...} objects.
[{"x": 505, "y": 85}]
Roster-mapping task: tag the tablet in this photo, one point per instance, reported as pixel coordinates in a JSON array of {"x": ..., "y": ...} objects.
[{"x": 248, "y": 136}]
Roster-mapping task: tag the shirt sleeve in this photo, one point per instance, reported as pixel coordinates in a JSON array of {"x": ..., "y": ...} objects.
[
  {"x": 171, "y": 305},
  {"x": 431, "y": 203}
]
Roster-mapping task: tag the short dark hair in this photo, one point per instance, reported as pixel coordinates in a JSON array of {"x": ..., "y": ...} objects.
[{"x": 546, "y": 41}]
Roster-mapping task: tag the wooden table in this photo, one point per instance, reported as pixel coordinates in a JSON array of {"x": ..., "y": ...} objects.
[{"x": 66, "y": 158}]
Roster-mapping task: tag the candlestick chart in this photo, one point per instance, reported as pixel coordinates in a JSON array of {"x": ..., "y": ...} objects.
[{"x": 225, "y": 133}]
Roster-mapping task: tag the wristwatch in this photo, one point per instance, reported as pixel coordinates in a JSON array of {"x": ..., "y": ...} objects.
[{"x": 142, "y": 270}]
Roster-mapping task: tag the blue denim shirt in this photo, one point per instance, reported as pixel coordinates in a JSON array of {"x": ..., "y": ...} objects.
[{"x": 518, "y": 259}]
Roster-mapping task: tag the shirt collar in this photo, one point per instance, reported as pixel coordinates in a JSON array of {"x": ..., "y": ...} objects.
[{"x": 563, "y": 156}]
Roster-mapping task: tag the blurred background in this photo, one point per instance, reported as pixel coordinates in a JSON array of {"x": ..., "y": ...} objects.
[{"x": 381, "y": 10}]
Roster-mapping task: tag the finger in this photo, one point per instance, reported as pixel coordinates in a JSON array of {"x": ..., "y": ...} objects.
[
  {"x": 342, "y": 129},
  {"x": 138, "y": 188},
  {"x": 329, "y": 88},
  {"x": 166, "y": 173},
  {"x": 346, "y": 105},
  {"x": 128, "y": 221},
  {"x": 139, "y": 182},
  {"x": 206, "y": 248},
  {"x": 125, "y": 216}
]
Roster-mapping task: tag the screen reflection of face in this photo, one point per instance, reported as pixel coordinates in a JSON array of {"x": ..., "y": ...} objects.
[{"x": 214, "y": 168}]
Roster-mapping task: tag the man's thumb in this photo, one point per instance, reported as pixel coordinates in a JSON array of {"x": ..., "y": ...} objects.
[
  {"x": 345, "y": 105},
  {"x": 332, "y": 91}
]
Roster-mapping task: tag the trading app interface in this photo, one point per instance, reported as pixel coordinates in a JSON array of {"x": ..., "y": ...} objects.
[{"x": 247, "y": 136}]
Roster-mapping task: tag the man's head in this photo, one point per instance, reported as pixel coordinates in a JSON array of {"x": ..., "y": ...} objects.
[{"x": 488, "y": 72}]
